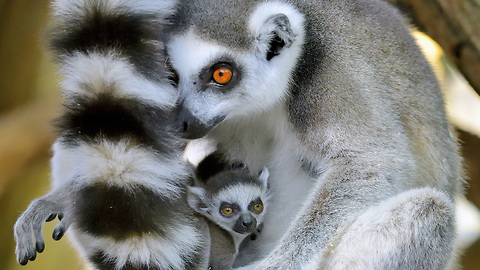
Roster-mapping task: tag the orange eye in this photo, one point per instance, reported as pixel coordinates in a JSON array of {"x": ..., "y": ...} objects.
[
  {"x": 227, "y": 210},
  {"x": 258, "y": 207},
  {"x": 222, "y": 75}
]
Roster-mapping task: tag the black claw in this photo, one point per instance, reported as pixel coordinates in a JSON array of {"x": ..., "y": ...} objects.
[
  {"x": 60, "y": 216},
  {"x": 40, "y": 247},
  {"x": 23, "y": 261},
  {"x": 33, "y": 257},
  {"x": 58, "y": 234},
  {"x": 51, "y": 217}
]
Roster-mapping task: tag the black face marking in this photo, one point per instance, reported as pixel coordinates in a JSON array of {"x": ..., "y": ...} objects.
[
  {"x": 245, "y": 224},
  {"x": 137, "y": 36},
  {"x": 235, "y": 208},
  {"x": 105, "y": 116},
  {"x": 118, "y": 213},
  {"x": 251, "y": 206},
  {"x": 207, "y": 82}
]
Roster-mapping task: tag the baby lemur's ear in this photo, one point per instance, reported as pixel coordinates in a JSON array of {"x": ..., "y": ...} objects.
[
  {"x": 196, "y": 198},
  {"x": 263, "y": 177}
]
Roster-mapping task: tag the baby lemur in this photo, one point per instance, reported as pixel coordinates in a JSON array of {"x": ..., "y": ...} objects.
[{"x": 232, "y": 200}]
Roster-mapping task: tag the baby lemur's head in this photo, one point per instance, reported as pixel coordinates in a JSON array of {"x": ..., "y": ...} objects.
[{"x": 230, "y": 196}]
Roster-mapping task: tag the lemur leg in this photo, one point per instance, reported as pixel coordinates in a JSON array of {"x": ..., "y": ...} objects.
[
  {"x": 341, "y": 199},
  {"x": 412, "y": 230}
]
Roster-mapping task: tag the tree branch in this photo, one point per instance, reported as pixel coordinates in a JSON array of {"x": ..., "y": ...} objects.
[{"x": 455, "y": 26}]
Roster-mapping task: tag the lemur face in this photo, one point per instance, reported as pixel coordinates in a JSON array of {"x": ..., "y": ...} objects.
[
  {"x": 239, "y": 215},
  {"x": 232, "y": 199},
  {"x": 218, "y": 82}
]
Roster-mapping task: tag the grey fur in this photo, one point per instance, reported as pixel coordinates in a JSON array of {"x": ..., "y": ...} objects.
[
  {"x": 361, "y": 105},
  {"x": 236, "y": 187}
]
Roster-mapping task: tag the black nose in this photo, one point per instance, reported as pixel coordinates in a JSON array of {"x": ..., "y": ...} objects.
[
  {"x": 247, "y": 224},
  {"x": 189, "y": 126}
]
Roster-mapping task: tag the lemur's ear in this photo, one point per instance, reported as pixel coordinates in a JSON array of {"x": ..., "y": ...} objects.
[
  {"x": 274, "y": 35},
  {"x": 196, "y": 199},
  {"x": 276, "y": 27},
  {"x": 263, "y": 177}
]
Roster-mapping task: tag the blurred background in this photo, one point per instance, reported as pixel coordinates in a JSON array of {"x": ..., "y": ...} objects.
[{"x": 30, "y": 99}]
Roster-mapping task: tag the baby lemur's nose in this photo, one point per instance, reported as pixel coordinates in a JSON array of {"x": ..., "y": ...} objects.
[{"x": 247, "y": 223}]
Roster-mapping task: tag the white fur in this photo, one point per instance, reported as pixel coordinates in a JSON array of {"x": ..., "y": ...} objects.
[
  {"x": 153, "y": 250},
  {"x": 197, "y": 150},
  {"x": 263, "y": 177},
  {"x": 95, "y": 73},
  {"x": 122, "y": 164},
  {"x": 241, "y": 194},
  {"x": 190, "y": 54}
]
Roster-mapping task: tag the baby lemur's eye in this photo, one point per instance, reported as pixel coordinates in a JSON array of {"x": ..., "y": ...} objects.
[
  {"x": 226, "y": 210},
  {"x": 258, "y": 207},
  {"x": 222, "y": 75}
]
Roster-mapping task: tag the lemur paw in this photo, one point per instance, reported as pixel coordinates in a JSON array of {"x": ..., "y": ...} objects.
[{"x": 28, "y": 229}]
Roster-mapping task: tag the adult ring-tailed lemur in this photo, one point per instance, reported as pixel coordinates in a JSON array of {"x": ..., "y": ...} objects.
[
  {"x": 334, "y": 97},
  {"x": 337, "y": 100}
]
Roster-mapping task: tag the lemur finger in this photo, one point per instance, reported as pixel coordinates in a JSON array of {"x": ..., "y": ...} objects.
[
  {"x": 58, "y": 233},
  {"x": 40, "y": 246},
  {"x": 23, "y": 260},
  {"x": 25, "y": 248},
  {"x": 39, "y": 242},
  {"x": 51, "y": 217},
  {"x": 33, "y": 256},
  {"x": 37, "y": 228},
  {"x": 25, "y": 254},
  {"x": 60, "y": 229}
]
